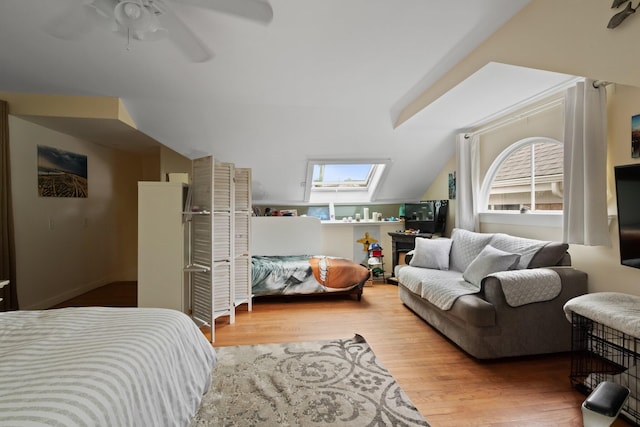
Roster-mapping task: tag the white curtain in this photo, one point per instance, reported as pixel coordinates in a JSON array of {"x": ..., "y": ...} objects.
[
  {"x": 467, "y": 182},
  {"x": 585, "y": 157}
]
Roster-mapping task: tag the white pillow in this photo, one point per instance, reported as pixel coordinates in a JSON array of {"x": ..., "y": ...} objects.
[
  {"x": 431, "y": 253},
  {"x": 489, "y": 260}
]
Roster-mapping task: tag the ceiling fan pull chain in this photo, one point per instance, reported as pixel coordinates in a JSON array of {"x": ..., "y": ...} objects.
[{"x": 128, "y": 39}]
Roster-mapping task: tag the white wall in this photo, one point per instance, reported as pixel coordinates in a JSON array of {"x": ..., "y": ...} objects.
[
  {"x": 172, "y": 162},
  {"x": 66, "y": 246},
  {"x": 601, "y": 263},
  {"x": 568, "y": 36},
  {"x": 341, "y": 239},
  {"x": 439, "y": 190}
]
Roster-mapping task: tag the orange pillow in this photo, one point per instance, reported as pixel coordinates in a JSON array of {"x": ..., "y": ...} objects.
[{"x": 337, "y": 273}]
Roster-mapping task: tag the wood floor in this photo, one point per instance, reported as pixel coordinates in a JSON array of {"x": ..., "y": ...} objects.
[
  {"x": 448, "y": 387},
  {"x": 117, "y": 294}
]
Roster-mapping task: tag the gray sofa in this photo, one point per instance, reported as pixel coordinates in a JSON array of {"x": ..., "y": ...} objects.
[{"x": 494, "y": 295}]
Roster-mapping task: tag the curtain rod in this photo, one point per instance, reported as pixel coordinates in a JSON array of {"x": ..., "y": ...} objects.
[
  {"x": 509, "y": 120},
  {"x": 528, "y": 113},
  {"x": 599, "y": 83}
]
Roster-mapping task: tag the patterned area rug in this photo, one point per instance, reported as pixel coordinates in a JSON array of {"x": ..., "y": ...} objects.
[{"x": 322, "y": 383}]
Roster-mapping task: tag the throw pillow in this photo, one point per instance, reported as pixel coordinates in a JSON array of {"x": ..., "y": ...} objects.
[
  {"x": 466, "y": 247},
  {"x": 549, "y": 255},
  {"x": 489, "y": 260},
  {"x": 527, "y": 248},
  {"x": 431, "y": 253}
]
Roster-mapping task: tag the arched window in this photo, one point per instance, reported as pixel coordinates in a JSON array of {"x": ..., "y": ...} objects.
[{"x": 525, "y": 177}]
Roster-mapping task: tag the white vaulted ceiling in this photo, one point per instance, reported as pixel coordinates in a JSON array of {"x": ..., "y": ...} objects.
[{"x": 325, "y": 79}]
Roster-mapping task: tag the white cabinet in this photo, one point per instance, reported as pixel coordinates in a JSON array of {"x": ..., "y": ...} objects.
[
  {"x": 193, "y": 242},
  {"x": 161, "y": 246}
]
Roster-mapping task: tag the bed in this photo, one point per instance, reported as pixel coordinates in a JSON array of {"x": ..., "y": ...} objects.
[
  {"x": 99, "y": 366},
  {"x": 287, "y": 259}
]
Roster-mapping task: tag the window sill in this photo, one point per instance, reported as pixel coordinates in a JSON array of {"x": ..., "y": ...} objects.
[{"x": 532, "y": 219}]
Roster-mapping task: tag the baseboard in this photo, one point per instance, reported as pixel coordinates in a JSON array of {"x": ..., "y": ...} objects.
[{"x": 72, "y": 293}]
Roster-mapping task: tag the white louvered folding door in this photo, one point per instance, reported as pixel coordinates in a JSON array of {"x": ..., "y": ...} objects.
[
  {"x": 242, "y": 223},
  {"x": 223, "y": 270},
  {"x": 211, "y": 226}
]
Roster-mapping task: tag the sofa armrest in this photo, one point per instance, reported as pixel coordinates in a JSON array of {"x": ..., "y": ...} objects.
[{"x": 573, "y": 283}]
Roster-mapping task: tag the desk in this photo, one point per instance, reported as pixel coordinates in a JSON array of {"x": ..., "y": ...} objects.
[{"x": 401, "y": 243}]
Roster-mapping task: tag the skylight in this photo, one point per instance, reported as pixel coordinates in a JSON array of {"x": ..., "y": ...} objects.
[
  {"x": 343, "y": 176},
  {"x": 347, "y": 181}
]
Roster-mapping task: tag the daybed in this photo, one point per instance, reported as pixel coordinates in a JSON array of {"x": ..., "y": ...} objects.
[
  {"x": 287, "y": 260},
  {"x": 493, "y": 295},
  {"x": 102, "y": 367}
]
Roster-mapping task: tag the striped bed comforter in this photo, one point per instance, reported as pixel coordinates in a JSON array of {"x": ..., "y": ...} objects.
[{"x": 100, "y": 366}]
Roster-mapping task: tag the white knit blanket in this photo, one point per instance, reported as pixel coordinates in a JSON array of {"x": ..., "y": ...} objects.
[
  {"x": 616, "y": 310},
  {"x": 444, "y": 292},
  {"x": 527, "y": 286},
  {"x": 442, "y": 288}
]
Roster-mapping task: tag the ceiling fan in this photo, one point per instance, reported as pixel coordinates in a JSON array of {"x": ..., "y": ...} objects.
[{"x": 152, "y": 20}]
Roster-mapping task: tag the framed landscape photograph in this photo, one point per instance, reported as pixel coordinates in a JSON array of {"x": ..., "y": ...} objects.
[
  {"x": 452, "y": 185},
  {"x": 635, "y": 136},
  {"x": 61, "y": 173}
]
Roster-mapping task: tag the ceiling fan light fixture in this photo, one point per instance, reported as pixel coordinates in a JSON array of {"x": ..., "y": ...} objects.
[
  {"x": 152, "y": 20},
  {"x": 136, "y": 18},
  {"x": 133, "y": 11}
]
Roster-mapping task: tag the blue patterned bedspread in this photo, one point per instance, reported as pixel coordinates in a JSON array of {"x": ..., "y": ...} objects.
[{"x": 290, "y": 275}]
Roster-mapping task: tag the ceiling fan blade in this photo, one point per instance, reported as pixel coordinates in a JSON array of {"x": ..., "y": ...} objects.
[
  {"x": 102, "y": 13},
  {"x": 179, "y": 34},
  {"x": 71, "y": 24},
  {"x": 255, "y": 10},
  {"x": 104, "y": 8}
]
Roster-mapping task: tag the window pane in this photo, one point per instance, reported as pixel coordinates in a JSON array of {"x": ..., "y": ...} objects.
[
  {"x": 548, "y": 159},
  {"x": 512, "y": 187},
  {"x": 343, "y": 175},
  {"x": 516, "y": 166},
  {"x": 548, "y": 174},
  {"x": 340, "y": 172},
  {"x": 335, "y": 181}
]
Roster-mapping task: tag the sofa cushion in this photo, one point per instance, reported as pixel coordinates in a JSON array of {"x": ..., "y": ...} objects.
[
  {"x": 526, "y": 248},
  {"x": 489, "y": 260},
  {"x": 549, "y": 255},
  {"x": 474, "y": 311},
  {"x": 443, "y": 292},
  {"x": 431, "y": 253},
  {"x": 414, "y": 278},
  {"x": 465, "y": 247}
]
